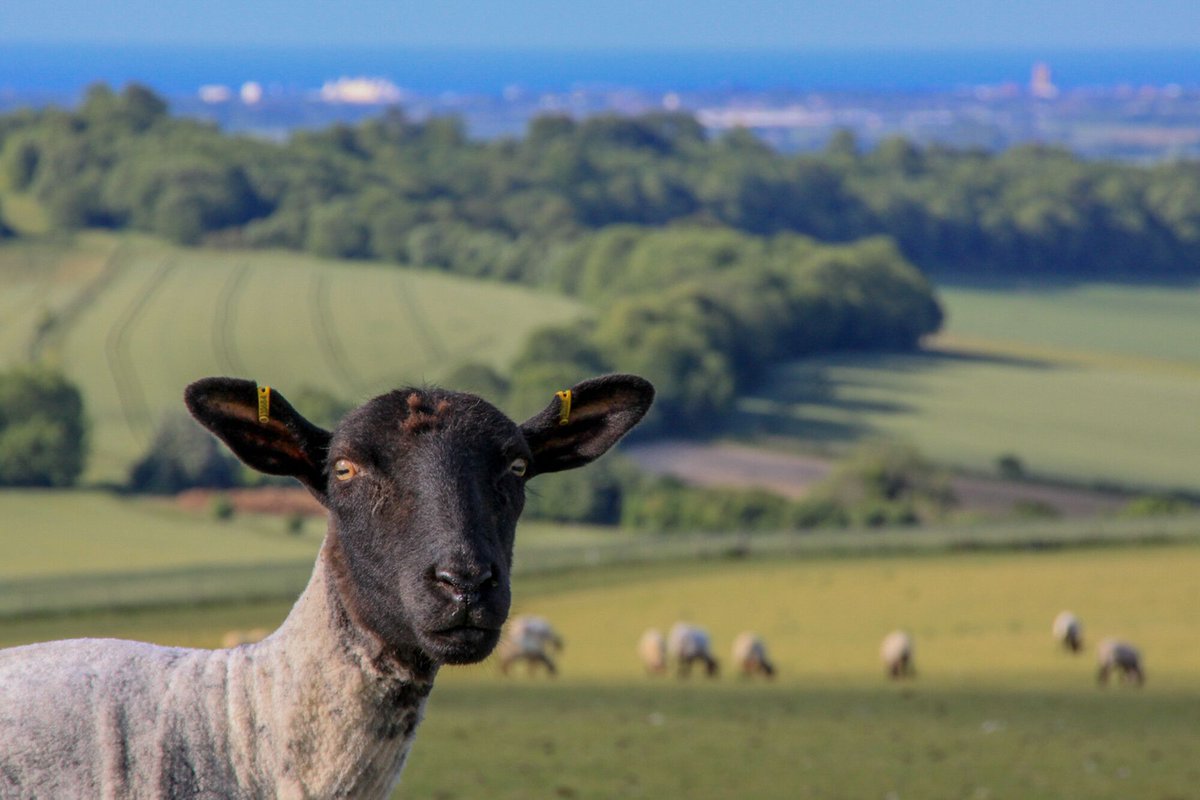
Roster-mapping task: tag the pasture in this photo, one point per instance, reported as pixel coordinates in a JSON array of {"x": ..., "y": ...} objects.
[
  {"x": 1085, "y": 385},
  {"x": 997, "y": 710},
  {"x": 132, "y": 321}
]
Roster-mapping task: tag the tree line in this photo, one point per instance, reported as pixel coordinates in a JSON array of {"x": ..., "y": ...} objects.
[{"x": 422, "y": 192}]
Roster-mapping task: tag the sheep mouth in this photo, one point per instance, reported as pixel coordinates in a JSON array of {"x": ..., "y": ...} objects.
[{"x": 463, "y": 644}]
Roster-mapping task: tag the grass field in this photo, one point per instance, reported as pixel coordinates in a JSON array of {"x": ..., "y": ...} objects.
[
  {"x": 1091, "y": 384},
  {"x": 995, "y": 711},
  {"x": 133, "y": 321}
]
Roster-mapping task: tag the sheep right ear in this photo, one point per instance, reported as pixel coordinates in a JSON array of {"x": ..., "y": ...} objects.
[{"x": 262, "y": 429}]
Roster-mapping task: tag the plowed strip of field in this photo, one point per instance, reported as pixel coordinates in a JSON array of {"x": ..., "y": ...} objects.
[{"x": 794, "y": 475}]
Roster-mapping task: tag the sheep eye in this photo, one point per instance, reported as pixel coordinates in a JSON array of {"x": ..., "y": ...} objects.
[
  {"x": 344, "y": 469},
  {"x": 519, "y": 467}
]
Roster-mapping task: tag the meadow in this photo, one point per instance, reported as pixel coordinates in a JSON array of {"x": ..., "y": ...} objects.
[
  {"x": 133, "y": 321},
  {"x": 1087, "y": 384},
  {"x": 996, "y": 709}
]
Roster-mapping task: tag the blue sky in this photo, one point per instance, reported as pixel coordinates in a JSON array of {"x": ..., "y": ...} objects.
[{"x": 802, "y": 24}]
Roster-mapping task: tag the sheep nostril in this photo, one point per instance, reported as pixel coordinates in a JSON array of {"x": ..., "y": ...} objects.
[{"x": 461, "y": 583}]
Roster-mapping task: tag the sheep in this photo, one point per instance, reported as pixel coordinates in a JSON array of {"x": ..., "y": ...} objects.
[
  {"x": 687, "y": 644},
  {"x": 652, "y": 650},
  {"x": 1114, "y": 654},
  {"x": 750, "y": 654},
  {"x": 1068, "y": 631},
  {"x": 423, "y": 489},
  {"x": 897, "y": 654},
  {"x": 528, "y": 639}
]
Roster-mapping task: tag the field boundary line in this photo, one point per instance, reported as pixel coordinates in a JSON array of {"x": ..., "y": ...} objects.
[{"x": 284, "y": 580}]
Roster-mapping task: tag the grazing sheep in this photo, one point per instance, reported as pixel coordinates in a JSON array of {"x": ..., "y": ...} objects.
[
  {"x": 1068, "y": 630},
  {"x": 687, "y": 644},
  {"x": 423, "y": 488},
  {"x": 1123, "y": 657},
  {"x": 652, "y": 650},
  {"x": 750, "y": 654},
  {"x": 897, "y": 654},
  {"x": 528, "y": 640}
]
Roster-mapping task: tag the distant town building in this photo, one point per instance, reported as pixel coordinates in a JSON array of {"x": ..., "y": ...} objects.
[
  {"x": 361, "y": 91},
  {"x": 251, "y": 92},
  {"x": 1041, "y": 84}
]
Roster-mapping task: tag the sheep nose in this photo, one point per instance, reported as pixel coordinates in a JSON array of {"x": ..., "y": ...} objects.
[{"x": 462, "y": 583}]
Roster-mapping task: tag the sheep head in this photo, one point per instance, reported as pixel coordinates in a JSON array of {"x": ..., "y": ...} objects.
[{"x": 424, "y": 488}]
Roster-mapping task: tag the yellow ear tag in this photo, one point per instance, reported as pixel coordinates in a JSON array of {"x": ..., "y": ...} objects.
[
  {"x": 564, "y": 409},
  {"x": 264, "y": 403}
]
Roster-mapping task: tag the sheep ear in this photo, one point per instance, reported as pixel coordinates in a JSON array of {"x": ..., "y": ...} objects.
[
  {"x": 583, "y": 422},
  {"x": 261, "y": 428}
]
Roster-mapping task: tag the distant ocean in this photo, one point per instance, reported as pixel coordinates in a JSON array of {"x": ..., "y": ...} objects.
[{"x": 67, "y": 69}]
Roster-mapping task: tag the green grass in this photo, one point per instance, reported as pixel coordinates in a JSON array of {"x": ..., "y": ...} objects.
[
  {"x": 137, "y": 320},
  {"x": 1086, "y": 385},
  {"x": 997, "y": 710}
]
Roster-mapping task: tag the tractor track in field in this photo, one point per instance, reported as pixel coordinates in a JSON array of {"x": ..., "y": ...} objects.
[
  {"x": 47, "y": 336},
  {"x": 325, "y": 327},
  {"x": 224, "y": 332},
  {"x": 431, "y": 344},
  {"x": 121, "y": 366}
]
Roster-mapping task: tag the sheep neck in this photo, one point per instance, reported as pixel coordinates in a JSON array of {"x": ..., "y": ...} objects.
[{"x": 346, "y": 716}]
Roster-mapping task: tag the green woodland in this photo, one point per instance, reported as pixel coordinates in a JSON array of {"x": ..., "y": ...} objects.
[{"x": 707, "y": 263}]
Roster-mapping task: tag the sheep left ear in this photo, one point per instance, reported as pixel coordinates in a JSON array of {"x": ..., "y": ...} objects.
[
  {"x": 583, "y": 422},
  {"x": 262, "y": 429}
]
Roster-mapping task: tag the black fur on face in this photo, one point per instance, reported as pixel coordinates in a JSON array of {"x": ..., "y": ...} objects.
[
  {"x": 424, "y": 488},
  {"x": 425, "y": 526}
]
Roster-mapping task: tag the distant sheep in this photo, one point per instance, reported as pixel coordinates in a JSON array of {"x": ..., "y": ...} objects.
[
  {"x": 423, "y": 488},
  {"x": 1121, "y": 657},
  {"x": 1068, "y": 631},
  {"x": 652, "y": 651},
  {"x": 687, "y": 644},
  {"x": 529, "y": 639},
  {"x": 750, "y": 655},
  {"x": 897, "y": 654}
]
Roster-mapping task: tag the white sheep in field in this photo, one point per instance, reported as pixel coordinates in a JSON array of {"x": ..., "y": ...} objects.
[
  {"x": 529, "y": 639},
  {"x": 652, "y": 651},
  {"x": 1121, "y": 657},
  {"x": 750, "y": 655},
  {"x": 1068, "y": 631},
  {"x": 687, "y": 644},
  {"x": 896, "y": 651},
  {"x": 423, "y": 488}
]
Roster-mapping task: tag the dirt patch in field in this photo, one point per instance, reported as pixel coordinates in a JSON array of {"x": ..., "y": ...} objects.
[
  {"x": 794, "y": 476},
  {"x": 281, "y": 500}
]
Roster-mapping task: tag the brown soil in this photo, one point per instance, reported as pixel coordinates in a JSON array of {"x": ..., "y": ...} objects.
[{"x": 280, "y": 500}]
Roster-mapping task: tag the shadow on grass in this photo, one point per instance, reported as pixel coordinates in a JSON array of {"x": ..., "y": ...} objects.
[{"x": 815, "y": 399}]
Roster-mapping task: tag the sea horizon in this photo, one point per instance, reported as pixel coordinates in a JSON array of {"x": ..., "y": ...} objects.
[{"x": 67, "y": 69}]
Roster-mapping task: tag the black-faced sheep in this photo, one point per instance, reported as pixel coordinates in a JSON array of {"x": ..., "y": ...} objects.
[
  {"x": 1121, "y": 657},
  {"x": 687, "y": 644},
  {"x": 750, "y": 655},
  {"x": 896, "y": 651},
  {"x": 423, "y": 490},
  {"x": 652, "y": 651},
  {"x": 529, "y": 639},
  {"x": 1068, "y": 631}
]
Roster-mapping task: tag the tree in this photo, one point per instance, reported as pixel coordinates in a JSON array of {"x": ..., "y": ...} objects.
[
  {"x": 181, "y": 456},
  {"x": 43, "y": 429}
]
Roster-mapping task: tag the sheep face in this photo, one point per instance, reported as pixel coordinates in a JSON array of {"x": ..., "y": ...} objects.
[
  {"x": 424, "y": 491},
  {"x": 424, "y": 488}
]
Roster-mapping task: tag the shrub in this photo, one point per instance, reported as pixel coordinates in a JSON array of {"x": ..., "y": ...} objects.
[{"x": 43, "y": 430}]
